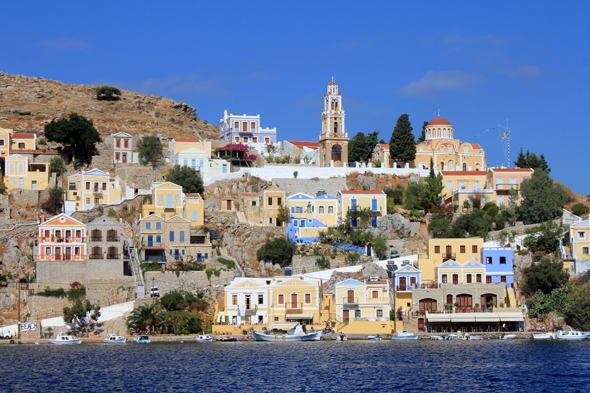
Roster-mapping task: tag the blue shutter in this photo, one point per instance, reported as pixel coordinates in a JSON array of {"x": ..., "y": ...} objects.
[
  {"x": 148, "y": 225},
  {"x": 194, "y": 216},
  {"x": 374, "y": 204},
  {"x": 181, "y": 236},
  {"x": 293, "y": 210},
  {"x": 206, "y": 255},
  {"x": 171, "y": 236},
  {"x": 168, "y": 200},
  {"x": 159, "y": 239}
]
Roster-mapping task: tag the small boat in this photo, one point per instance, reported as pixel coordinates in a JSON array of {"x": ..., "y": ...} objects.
[
  {"x": 404, "y": 335},
  {"x": 114, "y": 339},
  {"x": 375, "y": 338},
  {"x": 470, "y": 337},
  {"x": 342, "y": 337},
  {"x": 229, "y": 339},
  {"x": 508, "y": 336},
  {"x": 454, "y": 337},
  {"x": 63, "y": 339},
  {"x": 438, "y": 338},
  {"x": 571, "y": 335},
  {"x": 542, "y": 336},
  {"x": 204, "y": 338},
  {"x": 142, "y": 339},
  {"x": 287, "y": 332}
]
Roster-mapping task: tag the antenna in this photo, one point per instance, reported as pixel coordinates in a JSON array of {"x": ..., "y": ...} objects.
[{"x": 507, "y": 128}]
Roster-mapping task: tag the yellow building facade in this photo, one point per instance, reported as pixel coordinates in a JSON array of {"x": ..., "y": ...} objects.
[
  {"x": 376, "y": 201},
  {"x": 168, "y": 200},
  {"x": 5, "y": 134},
  {"x": 580, "y": 241},
  {"x": 93, "y": 187},
  {"x": 446, "y": 152},
  {"x": 23, "y": 141},
  {"x": 381, "y": 154},
  {"x": 441, "y": 250},
  {"x": 333, "y": 142},
  {"x": 20, "y": 174}
]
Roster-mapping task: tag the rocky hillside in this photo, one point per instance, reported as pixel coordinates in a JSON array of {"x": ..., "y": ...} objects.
[{"x": 27, "y": 104}]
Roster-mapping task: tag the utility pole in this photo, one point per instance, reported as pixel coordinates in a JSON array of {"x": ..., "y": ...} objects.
[
  {"x": 507, "y": 128},
  {"x": 18, "y": 309},
  {"x": 152, "y": 290}
]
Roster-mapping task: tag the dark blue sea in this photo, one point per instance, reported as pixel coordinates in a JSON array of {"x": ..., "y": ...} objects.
[{"x": 353, "y": 366}]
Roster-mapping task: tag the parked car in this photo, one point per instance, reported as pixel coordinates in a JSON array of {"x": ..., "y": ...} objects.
[
  {"x": 394, "y": 254},
  {"x": 154, "y": 292}
]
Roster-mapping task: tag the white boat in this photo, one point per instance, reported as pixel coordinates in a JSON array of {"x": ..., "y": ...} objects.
[
  {"x": 375, "y": 338},
  {"x": 204, "y": 338},
  {"x": 404, "y": 335},
  {"x": 142, "y": 339},
  {"x": 571, "y": 335},
  {"x": 470, "y": 337},
  {"x": 287, "y": 332},
  {"x": 63, "y": 339},
  {"x": 438, "y": 338},
  {"x": 114, "y": 339},
  {"x": 542, "y": 336},
  {"x": 508, "y": 336},
  {"x": 454, "y": 337}
]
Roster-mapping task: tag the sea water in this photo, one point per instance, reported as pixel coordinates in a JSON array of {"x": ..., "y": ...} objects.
[{"x": 350, "y": 366}]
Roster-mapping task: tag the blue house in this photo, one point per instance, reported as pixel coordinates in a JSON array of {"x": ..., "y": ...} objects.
[
  {"x": 309, "y": 215},
  {"x": 405, "y": 278},
  {"x": 499, "y": 265}
]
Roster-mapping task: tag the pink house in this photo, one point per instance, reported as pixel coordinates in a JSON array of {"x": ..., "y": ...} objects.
[{"x": 502, "y": 180}]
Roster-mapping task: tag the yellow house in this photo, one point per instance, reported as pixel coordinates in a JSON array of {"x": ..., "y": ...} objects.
[
  {"x": 168, "y": 200},
  {"x": 441, "y": 250},
  {"x": 93, "y": 187},
  {"x": 579, "y": 245},
  {"x": 266, "y": 301},
  {"x": 19, "y": 173},
  {"x": 5, "y": 142},
  {"x": 177, "y": 145},
  {"x": 272, "y": 199},
  {"x": 465, "y": 185},
  {"x": 381, "y": 154},
  {"x": 363, "y": 307},
  {"x": 376, "y": 201},
  {"x": 23, "y": 141},
  {"x": 452, "y": 272}
]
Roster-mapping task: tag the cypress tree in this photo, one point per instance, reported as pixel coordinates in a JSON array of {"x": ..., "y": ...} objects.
[{"x": 401, "y": 145}]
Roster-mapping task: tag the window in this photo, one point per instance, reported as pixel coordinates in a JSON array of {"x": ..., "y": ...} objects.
[
  {"x": 96, "y": 201},
  {"x": 11, "y": 167},
  {"x": 474, "y": 249},
  {"x": 255, "y": 139},
  {"x": 126, "y": 143},
  {"x": 1, "y": 142},
  {"x": 307, "y": 298},
  {"x": 160, "y": 198},
  {"x": 252, "y": 125},
  {"x": 462, "y": 249},
  {"x": 375, "y": 294},
  {"x": 488, "y": 279},
  {"x": 104, "y": 186},
  {"x": 171, "y": 236},
  {"x": 476, "y": 185},
  {"x": 237, "y": 125},
  {"x": 468, "y": 279},
  {"x": 182, "y": 236},
  {"x": 244, "y": 126},
  {"x": 581, "y": 235},
  {"x": 462, "y": 184},
  {"x": 281, "y": 299},
  {"x": 437, "y": 249},
  {"x": 374, "y": 222},
  {"x": 118, "y": 143},
  {"x": 503, "y": 279},
  {"x": 500, "y": 201},
  {"x": 321, "y": 210},
  {"x": 158, "y": 225},
  {"x": 88, "y": 201},
  {"x": 585, "y": 250},
  {"x": 485, "y": 200},
  {"x": 478, "y": 278},
  {"x": 330, "y": 209},
  {"x": 502, "y": 260},
  {"x": 253, "y": 203},
  {"x": 237, "y": 138},
  {"x": 194, "y": 218},
  {"x": 177, "y": 199},
  {"x": 308, "y": 210},
  {"x": 148, "y": 225},
  {"x": 449, "y": 185},
  {"x": 88, "y": 185},
  {"x": 444, "y": 278},
  {"x": 266, "y": 140},
  {"x": 245, "y": 139},
  {"x": 270, "y": 220},
  {"x": 47, "y": 250},
  {"x": 488, "y": 260},
  {"x": 117, "y": 156},
  {"x": 295, "y": 223},
  {"x": 260, "y": 298},
  {"x": 269, "y": 201},
  {"x": 379, "y": 313},
  {"x": 357, "y": 313},
  {"x": 234, "y": 300},
  {"x": 279, "y": 201}
]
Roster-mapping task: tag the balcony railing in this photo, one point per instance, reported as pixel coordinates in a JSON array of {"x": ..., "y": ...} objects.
[
  {"x": 350, "y": 300},
  {"x": 105, "y": 255},
  {"x": 61, "y": 257},
  {"x": 501, "y": 186},
  {"x": 56, "y": 239},
  {"x": 294, "y": 306},
  {"x": 96, "y": 238},
  {"x": 112, "y": 239},
  {"x": 449, "y": 255}
]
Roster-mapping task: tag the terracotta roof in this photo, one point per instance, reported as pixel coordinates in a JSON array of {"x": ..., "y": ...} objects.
[
  {"x": 384, "y": 145},
  {"x": 194, "y": 195},
  {"x": 466, "y": 173},
  {"x": 187, "y": 140},
  {"x": 311, "y": 145},
  {"x": 332, "y": 84},
  {"x": 18, "y": 151},
  {"x": 474, "y": 145},
  {"x": 23, "y": 136},
  {"x": 373, "y": 192},
  {"x": 439, "y": 121},
  {"x": 511, "y": 169},
  {"x": 249, "y": 194}
]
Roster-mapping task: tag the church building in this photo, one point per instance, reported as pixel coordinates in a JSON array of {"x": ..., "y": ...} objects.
[
  {"x": 333, "y": 143},
  {"x": 447, "y": 153}
]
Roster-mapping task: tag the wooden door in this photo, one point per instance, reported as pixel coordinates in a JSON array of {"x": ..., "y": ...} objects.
[
  {"x": 57, "y": 254},
  {"x": 455, "y": 279},
  {"x": 68, "y": 253},
  {"x": 465, "y": 302},
  {"x": 345, "y": 316},
  {"x": 412, "y": 281},
  {"x": 402, "y": 283},
  {"x": 421, "y": 324},
  {"x": 294, "y": 300},
  {"x": 449, "y": 251},
  {"x": 229, "y": 205},
  {"x": 350, "y": 296}
]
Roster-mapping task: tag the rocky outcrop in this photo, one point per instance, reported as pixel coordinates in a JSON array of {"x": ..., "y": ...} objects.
[
  {"x": 15, "y": 259},
  {"x": 397, "y": 226}
]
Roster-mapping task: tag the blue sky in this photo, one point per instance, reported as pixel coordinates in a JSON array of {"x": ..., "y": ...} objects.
[{"x": 479, "y": 63}]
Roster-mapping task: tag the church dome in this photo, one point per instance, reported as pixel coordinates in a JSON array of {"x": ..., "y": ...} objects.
[
  {"x": 332, "y": 84},
  {"x": 439, "y": 121}
]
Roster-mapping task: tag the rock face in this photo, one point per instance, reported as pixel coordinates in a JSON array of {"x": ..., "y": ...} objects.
[
  {"x": 367, "y": 181},
  {"x": 372, "y": 270},
  {"x": 396, "y": 225},
  {"x": 520, "y": 262},
  {"x": 14, "y": 259}
]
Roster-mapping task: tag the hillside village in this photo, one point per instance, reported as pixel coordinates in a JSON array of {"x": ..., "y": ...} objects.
[{"x": 228, "y": 228}]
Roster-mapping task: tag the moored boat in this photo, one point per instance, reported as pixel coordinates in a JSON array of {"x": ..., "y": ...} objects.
[
  {"x": 508, "y": 336},
  {"x": 114, "y": 339},
  {"x": 404, "y": 335},
  {"x": 571, "y": 335},
  {"x": 142, "y": 339},
  {"x": 204, "y": 338},
  {"x": 287, "y": 332},
  {"x": 542, "y": 336},
  {"x": 454, "y": 337},
  {"x": 375, "y": 338},
  {"x": 438, "y": 338},
  {"x": 470, "y": 337},
  {"x": 63, "y": 339}
]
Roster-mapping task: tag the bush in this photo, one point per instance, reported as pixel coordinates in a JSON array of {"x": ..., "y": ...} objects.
[
  {"x": 278, "y": 251},
  {"x": 323, "y": 263},
  {"x": 108, "y": 93},
  {"x": 150, "y": 149},
  {"x": 579, "y": 209},
  {"x": 297, "y": 160},
  {"x": 188, "y": 178},
  {"x": 42, "y": 141},
  {"x": 112, "y": 213},
  {"x": 56, "y": 165},
  {"x": 230, "y": 264},
  {"x": 352, "y": 258}
]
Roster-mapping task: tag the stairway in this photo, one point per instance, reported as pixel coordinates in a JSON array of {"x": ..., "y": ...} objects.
[
  {"x": 242, "y": 218},
  {"x": 139, "y": 283}
]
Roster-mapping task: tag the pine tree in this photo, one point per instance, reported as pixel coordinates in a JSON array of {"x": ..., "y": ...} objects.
[
  {"x": 358, "y": 148},
  {"x": 434, "y": 186},
  {"x": 401, "y": 145},
  {"x": 521, "y": 160},
  {"x": 423, "y": 136}
]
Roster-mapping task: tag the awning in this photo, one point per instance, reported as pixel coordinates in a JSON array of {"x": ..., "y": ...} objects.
[
  {"x": 511, "y": 317},
  {"x": 463, "y": 318},
  {"x": 476, "y": 317},
  {"x": 305, "y": 315},
  {"x": 284, "y": 325},
  {"x": 487, "y": 317}
]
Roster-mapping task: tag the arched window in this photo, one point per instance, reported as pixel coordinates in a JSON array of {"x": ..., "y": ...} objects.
[
  {"x": 464, "y": 166},
  {"x": 336, "y": 128},
  {"x": 442, "y": 166}
]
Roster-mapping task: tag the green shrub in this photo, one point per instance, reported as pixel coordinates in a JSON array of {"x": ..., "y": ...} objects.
[
  {"x": 112, "y": 213},
  {"x": 230, "y": 264}
]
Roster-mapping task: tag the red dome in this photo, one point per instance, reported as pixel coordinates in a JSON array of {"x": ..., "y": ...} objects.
[
  {"x": 332, "y": 84},
  {"x": 439, "y": 121}
]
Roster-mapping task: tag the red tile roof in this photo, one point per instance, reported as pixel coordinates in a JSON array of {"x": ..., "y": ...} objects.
[
  {"x": 439, "y": 121},
  {"x": 384, "y": 145},
  {"x": 311, "y": 145},
  {"x": 332, "y": 84},
  {"x": 187, "y": 140},
  {"x": 18, "y": 151},
  {"x": 194, "y": 195},
  {"x": 371, "y": 192},
  {"x": 249, "y": 194},
  {"x": 511, "y": 170},
  {"x": 23, "y": 136},
  {"x": 466, "y": 173}
]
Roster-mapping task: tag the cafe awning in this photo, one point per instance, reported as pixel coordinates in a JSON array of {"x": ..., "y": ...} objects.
[
  {"x": 476, "y": 317},
  {"x": 284, "y": 325},
  {"x": 305, "y": 315}
]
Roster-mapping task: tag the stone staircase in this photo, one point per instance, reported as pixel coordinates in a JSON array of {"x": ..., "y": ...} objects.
[
  {"x": 139, "y": 283},
  {"x": 242, "y": 218}
]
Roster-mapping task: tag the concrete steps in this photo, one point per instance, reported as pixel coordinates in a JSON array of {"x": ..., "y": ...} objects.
[{"x": 242, "y": 218}]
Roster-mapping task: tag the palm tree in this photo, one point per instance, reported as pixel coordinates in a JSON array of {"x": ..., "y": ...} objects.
[{"x": 144, "y": 316}]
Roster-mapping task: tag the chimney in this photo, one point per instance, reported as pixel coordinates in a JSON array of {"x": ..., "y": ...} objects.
[{"x": 42, "y": 218}]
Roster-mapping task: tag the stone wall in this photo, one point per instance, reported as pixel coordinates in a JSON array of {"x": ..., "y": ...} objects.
[
  {"x": 27, "y": 197},
  {"x": 185, "y": 281},
  {"x": 60, "y": 274},
  {"x": 305, "y": 264},
  {"x": 311, "y": 186},
  {"x": 475, "y": 290},
  {"x": 47, "y": 306}
]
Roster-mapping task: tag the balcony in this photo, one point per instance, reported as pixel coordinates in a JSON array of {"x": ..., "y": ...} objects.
[
  {"x": 405, "y": 288},
  {"x": 60, "y": 257},
  {"x": 112, "y": 239},
  {"x": 507, "y": 187},
  {"x": 56, "y": 239},
  {"x": 350, "y": 300},
  {"x": 96, "y": 238},
  {"x": 448, "y": 255},
  {"x": 105, "y": 256},
  {"x": 294, "y": 306}
]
